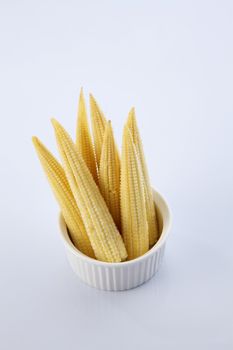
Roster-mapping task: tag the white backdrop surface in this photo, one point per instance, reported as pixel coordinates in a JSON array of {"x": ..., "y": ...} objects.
[{"x": 172, "y": 60}]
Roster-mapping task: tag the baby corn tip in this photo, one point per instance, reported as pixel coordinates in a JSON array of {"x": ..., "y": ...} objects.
[
  {"x": 36, "y": 142},
  {"x": 34, "y": 139},
  {"x": 54, "y": 123}
]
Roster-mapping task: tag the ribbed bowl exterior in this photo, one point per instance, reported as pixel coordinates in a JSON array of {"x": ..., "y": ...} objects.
[
  {"x": 125, "y": 275},
  {"x": 119, "y": 277}
]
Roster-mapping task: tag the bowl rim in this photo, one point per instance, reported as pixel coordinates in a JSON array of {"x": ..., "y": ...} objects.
[{"x": 165, "y": 212}]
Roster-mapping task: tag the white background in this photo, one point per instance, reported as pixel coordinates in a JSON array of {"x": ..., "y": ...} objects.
[{"x": 172, "y": 60}]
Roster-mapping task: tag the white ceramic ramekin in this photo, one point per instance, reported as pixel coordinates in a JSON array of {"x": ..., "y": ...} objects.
[{"x": 124, "y": 275}]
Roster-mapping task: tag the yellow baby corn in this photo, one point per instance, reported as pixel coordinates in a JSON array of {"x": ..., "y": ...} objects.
[
  {"x": 150, "y": 208},
  {"x": 105, "y": 239},
  {"x": 83, "y": 138},
  {"x": 133, "y": 210},
  {"x": 99, "y": 123},
  {"x": 65, "y": 198},
  {"x": 109, "y": 174}
]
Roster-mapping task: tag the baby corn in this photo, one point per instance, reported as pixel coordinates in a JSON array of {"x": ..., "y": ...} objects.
[
  {"x": 133, "y": 209},
  {"x": 99, "y": 123},
  {"x": 64, "y": 196},
  {"x": 83, "y": 138},
  {"x": 150, "y": 208},
  {"x": 105, "y": 239},
  {"x": 109, "y": 174}
]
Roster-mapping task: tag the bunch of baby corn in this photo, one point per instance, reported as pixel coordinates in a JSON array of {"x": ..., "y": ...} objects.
[{"x": 106, "y": 202}]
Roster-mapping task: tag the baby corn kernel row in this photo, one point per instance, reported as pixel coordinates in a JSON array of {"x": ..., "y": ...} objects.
[{"x": 105, "y": 197}]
